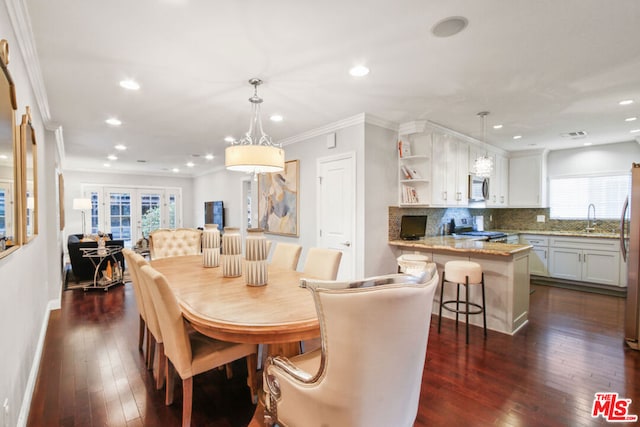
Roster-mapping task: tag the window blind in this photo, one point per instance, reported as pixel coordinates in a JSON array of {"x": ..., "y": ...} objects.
[{"x": 569, "y": 197}]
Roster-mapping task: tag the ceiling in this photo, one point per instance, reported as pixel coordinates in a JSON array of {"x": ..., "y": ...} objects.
[{"x": 542, "y": 68}]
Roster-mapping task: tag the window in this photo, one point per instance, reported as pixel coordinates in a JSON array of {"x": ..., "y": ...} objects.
[{"x": 569, "y": 197}]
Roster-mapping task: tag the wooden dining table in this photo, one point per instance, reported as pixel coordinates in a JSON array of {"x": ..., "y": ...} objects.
[{"x": 280, "y": 313}]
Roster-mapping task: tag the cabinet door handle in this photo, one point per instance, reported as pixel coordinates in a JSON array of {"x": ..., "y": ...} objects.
[
  {"x": 579, "y": 258},
  {"x": 501, "y": 199},
  {"x": 545, "y": 254},
  {"x": 444, "y": 195}
]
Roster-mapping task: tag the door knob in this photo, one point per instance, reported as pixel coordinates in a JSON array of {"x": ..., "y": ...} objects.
[{"x": 347, "y": 244}]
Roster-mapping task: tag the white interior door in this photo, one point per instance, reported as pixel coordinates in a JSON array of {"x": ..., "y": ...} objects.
[{"x": 337, "y": 209}]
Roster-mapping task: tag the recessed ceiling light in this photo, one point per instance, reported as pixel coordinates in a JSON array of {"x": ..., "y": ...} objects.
[
  {"x": 106, "y": 165},
  {"x": 450, "y": 26},
  {"x": 276, "y": 118},
  {"x": 120, "y": 147},
  {"x": 229, "y": 138},
  {"x": 626, "y": 102},
  {"x": 630, "y": 119},
  {"x": 113, "y": 121},
  {"x": 497, "y": 126},
  {"x": 587, "y": 144},
  {"x": 112, "y": 157},
  {"x": 175, "y": 170},
  {"x": 209, "y": 157},
  {"x": 359, "y": 71},
  {"x": 635, "y": 131},
  {"x": 129, "y": 84},
  {"x": 517, "y": 137},
  {"x": 190, "y": 164}
]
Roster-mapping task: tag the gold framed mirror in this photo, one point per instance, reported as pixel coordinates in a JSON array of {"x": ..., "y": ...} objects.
[
  {"x": 29, "y": 168},
  {"x": 10, "y": 236}
]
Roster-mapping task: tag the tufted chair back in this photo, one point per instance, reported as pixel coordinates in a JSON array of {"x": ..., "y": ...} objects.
[
  {"x": 368, "y": 372},
  {"x": 165, "y": 243}
]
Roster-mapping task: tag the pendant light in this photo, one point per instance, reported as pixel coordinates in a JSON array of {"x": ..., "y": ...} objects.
[
  {"x": 483, "y": 165},
  {"x": 255, "y": 152}
]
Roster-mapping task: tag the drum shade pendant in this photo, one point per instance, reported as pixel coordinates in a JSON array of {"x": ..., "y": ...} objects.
[
  {"x": 255, "y": 152},
  {"x": 483, "y": 165}
]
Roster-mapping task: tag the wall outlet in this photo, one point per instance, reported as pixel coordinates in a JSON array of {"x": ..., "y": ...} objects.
[{"x": 540, "y": 218}]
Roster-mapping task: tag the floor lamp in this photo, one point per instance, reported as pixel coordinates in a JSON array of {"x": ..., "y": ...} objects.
[{"x": 82, "y": 205}]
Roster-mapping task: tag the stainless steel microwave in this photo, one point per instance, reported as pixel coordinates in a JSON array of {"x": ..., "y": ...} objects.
[{"x": 478, "y": 188}]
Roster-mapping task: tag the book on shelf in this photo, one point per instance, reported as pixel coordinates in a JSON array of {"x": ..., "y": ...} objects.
[
  {"x": 404, "y": 148},
  {"x": 409, "y": 194},
  {"x": 414, "y": 173},
  {"x": 405, "y": 172}
]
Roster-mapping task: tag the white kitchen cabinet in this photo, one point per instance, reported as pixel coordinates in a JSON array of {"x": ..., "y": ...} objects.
[
  {"x": 539, "y": 255},
  {"x": 585, "y": 260},
  {"x": 450, "y": 167},
  {"x": 499, "y": 182},
  {"x": 527, "y": 180}
]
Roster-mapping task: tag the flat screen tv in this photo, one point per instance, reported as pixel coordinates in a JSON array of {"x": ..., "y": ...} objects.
[
  {"x": 214, "y": 213},
  {"x": 413, "y": 227}
]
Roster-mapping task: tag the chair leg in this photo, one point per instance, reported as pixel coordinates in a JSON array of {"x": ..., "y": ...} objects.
[
  {"x": 457, "y": 303},
  {"x": 142, "y": 328},
  {"x": 170, "y": 376},
  {"x": 252, "y": 376},
  {"x": 151, "y": 350},
  {"x": 441, "y": 296},
  {"x": 162, "y": 361},
  {"x": 187, "y": 400},
  {"x": 467, "y": 304},
  {"x": 484, "y": 308},
  {"x": 228, "y": 371}
]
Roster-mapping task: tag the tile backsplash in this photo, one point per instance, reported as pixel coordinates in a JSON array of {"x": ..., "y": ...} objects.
[{"x": 510, "y": 219}]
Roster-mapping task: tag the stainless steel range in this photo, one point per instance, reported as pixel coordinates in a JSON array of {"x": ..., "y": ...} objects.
[{"x": 490, "y": 236}]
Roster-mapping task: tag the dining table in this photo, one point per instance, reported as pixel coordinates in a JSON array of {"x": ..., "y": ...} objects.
[{"x": 279, "y": 314}]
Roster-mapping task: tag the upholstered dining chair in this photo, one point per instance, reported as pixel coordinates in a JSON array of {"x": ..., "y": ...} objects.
[
  {"x": 349, "y": 381},
  {"x": 135, "y": 282},
  {"x": 164, "y": 242},
  {"x": 286, "y": 255},
  {"x": 322, "y": 263},
  {"x": 191, "y": 353}
]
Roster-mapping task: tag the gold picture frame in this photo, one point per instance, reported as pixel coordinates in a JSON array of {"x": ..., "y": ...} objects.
[{"x": 278, "y": 200}]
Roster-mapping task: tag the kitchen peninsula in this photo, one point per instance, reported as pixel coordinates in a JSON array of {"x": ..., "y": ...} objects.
[{"x": 506, "y": 276}]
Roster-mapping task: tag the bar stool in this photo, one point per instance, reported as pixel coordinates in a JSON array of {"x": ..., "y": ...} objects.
[
  {"x": 465, "y": 273},
  {"x": 409, "y": 263}
]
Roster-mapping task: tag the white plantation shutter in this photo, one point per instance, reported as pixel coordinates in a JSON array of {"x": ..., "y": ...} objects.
[{"x": 570, "y": 197}]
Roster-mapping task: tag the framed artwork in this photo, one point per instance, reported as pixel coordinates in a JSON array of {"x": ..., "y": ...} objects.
[{"x": 278, "y": 200}]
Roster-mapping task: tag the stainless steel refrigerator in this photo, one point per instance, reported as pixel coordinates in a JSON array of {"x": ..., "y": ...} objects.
[{"x": 630, "y": 248}]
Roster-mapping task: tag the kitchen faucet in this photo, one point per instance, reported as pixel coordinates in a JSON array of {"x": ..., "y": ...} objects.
[{"x": 591, "y": 223}]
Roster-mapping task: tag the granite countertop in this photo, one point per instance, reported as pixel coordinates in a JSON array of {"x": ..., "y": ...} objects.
[
  {"x": 564, "y": 233},
  {"x": 463, "y": 245}
]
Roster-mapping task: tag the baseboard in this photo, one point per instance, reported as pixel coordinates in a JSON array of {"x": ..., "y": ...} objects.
[
  {"x": 580, "y": 286},
  {"x": 35, "y": 366}
]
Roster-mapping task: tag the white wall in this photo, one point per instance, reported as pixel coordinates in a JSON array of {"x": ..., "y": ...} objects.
[
  {"x": 381, "y": 176},
  {"x": 593, "y": 159},
  {"x": 27, "y": 292}
]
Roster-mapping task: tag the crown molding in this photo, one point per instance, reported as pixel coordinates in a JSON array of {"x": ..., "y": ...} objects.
[
  {"x": 358, "y": 119},
  {"x": 19, "y": 16}
]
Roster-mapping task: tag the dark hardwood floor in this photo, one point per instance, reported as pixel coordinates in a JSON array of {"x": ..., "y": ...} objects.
[{"x": 92, "y": 373}]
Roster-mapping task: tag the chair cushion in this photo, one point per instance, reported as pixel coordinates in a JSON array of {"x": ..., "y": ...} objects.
[{"x": 457, "y": 272}]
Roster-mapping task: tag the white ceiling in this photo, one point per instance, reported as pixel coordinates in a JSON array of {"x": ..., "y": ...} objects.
[{"x": 541, "y": 68}]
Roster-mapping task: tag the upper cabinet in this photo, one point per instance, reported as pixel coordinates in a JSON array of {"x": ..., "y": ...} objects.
[
  {"x": 434, "y": 167},
  {"x": 528, "y": 180},
  {"x": 9, "y": 159},
  {"x": 450, "y": 165}
]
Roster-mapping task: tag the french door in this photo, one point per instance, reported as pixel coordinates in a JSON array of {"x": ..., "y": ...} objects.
[{"x": 129, "y": 213}]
